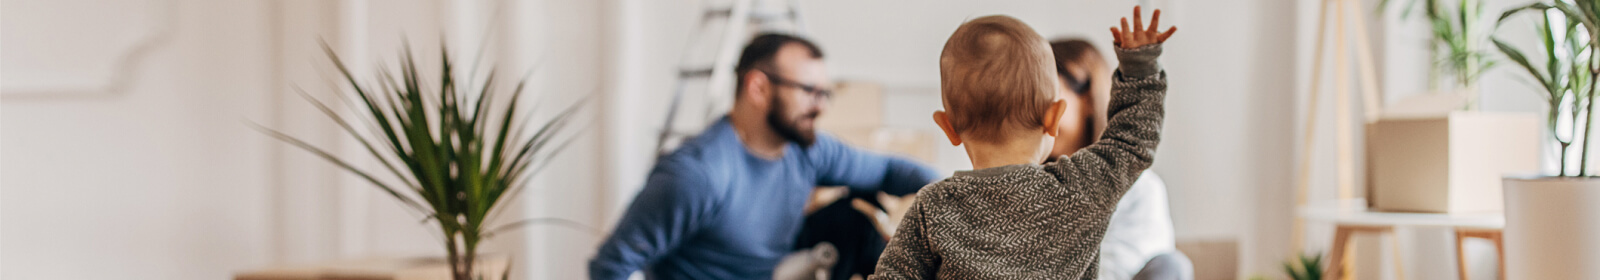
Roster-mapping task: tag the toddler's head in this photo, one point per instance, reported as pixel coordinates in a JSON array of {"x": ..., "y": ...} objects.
[{"x": 998, "y": 84}]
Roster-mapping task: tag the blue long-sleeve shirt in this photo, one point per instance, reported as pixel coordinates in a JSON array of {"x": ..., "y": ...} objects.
[{"x": 712, "y": 210}]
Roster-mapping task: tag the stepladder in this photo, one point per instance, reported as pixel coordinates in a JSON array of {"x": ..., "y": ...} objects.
[{"x": 705, "y": 78}]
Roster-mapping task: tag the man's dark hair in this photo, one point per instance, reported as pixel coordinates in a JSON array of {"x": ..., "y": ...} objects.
[{"x": 760, "y": 52}]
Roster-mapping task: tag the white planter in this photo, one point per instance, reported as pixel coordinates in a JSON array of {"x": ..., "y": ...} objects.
[{"x": 1553, "y": 227}]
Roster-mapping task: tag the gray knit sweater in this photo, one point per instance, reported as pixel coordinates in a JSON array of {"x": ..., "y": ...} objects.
[{"x": 1033, "y": 221}]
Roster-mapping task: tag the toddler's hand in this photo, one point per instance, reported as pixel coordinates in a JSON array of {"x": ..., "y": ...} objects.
[{"x": 1140, "y": 36}]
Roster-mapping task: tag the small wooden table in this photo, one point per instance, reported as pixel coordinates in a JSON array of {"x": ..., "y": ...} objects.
[
  {"x": 1352, "y": 217},
  {"x": 419, "y": 268}
]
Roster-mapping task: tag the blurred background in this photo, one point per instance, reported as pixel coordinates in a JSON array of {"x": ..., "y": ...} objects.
[{"x": 128, "y": 155}]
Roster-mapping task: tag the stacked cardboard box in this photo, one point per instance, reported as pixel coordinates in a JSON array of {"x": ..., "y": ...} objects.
[
  {"x": 856, "y": 116},
  {"x": 1449, "y": 163}
]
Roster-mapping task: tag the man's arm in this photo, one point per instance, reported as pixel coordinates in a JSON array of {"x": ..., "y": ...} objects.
[
  {"x": 675, "y": 203},
  {"x": 909, "y": 255},
  {"x": 841, "y": 165}
]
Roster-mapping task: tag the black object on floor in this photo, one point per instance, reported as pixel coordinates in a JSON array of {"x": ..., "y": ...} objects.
[{"x": 858, "y": 242}]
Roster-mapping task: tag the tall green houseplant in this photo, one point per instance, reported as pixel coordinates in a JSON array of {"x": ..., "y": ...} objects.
[
  {"x": 1550, "y": 215},
  {"x": 1457, "y": 42},
  {"x": 457, "y": 155},
  {"x": 1567, "y": 30}
]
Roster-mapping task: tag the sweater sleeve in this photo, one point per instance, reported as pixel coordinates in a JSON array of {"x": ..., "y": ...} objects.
[
  {"x": 909, "y": 255},
  {"x": 672, "y": 207},
  {"x": 842, "y": 165},
  {"x": 1107, "y": 168}
]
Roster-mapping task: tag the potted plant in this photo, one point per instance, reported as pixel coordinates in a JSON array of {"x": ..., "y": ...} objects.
[
  {"x": 1308, "y": 267},
  {"x": 456, "y": 154},
  {"x": 1438, "y": 153},
  {"x": 1457, "y": 44},
  {"x": 1552, "y": 221}
]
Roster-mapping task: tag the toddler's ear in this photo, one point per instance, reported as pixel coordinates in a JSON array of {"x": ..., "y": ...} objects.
[
  {"x": 1053, "y": 117},
  {"x": 944, "y": 121}
]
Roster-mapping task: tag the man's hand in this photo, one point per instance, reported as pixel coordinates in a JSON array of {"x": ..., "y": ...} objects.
[
  {"x": 887, "y": 219},
  {"x": 1140, "y": 36},
  {"x": 823, "y": 196}
]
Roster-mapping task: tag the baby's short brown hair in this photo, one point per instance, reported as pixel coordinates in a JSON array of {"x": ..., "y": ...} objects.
[{"x": 996, "y": 76}]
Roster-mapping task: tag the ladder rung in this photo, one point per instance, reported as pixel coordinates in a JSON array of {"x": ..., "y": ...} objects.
[
  {"x": 717, "y": 13},
  {"x": 681, "y": 133},
  {"x": 771, "y": 15},
  {"x": 698, "y": 72},
  {"x": 754, "y": 17}
]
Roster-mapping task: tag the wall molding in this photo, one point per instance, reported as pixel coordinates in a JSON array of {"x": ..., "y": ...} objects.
[{"x": 123, "y": 73}]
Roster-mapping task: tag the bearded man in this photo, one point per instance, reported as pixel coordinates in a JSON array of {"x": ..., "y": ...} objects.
[{"x": 728, "y": 203}]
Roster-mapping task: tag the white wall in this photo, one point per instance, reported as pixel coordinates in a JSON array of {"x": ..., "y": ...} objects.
[
  {"x": 565, "y": 41},
  {"x": 156, "y": 180},
  {"x": 159, "y": 177}
]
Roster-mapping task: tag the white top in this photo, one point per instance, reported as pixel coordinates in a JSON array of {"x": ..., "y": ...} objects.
[{"x": 1141, "y": 229}]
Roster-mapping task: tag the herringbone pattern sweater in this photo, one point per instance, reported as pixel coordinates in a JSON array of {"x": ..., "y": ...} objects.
[{"x": 1035, "y": 221}]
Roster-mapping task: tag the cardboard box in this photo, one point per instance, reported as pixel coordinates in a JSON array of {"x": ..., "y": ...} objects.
[
  {"x": 856, "y": 117},
  {"x": 377, "y": 269},
  {"x": 1449, "y": 163},
  {"x": 1212, "y": 258},
  {"x": 914, "y": 143},
  {"x": 855, "y": 106}
]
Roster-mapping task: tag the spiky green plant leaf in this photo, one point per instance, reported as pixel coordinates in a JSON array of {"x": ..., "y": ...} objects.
[
  {"x": 457, "y": 151},
  {"x": 1305, "y": 267}
]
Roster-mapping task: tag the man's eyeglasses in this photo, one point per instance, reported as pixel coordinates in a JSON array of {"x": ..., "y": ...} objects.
[{"x": 815, "y": 91}]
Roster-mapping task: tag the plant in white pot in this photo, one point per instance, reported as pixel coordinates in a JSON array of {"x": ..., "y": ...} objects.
[
  {"x": 1553, "y": 222},
  {"x": 455, "y": 152}
]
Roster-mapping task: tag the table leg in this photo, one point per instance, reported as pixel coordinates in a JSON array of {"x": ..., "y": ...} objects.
[
  {"x": 1340, "y": 257},
  {"x": 1395, "y": 254},
  {"x": 1461, "y": 256},
  {"x": 1500, "y": 253},
  {"x": 1494, "y": 235},
  {"x": 1339, "y": 266}
]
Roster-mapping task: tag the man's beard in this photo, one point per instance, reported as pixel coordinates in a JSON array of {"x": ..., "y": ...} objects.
[{"x": 788, "y": 128}]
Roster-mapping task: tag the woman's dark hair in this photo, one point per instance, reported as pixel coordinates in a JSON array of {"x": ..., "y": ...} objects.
[{"x": 1067, "y": 52}]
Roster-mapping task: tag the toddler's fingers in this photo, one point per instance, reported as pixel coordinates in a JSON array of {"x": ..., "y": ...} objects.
[
  {"x": 1117, "y": 37},
  {"x": 1138, "y": 24},
  {"x": 1169, "y": 33},
  {"x": 1156, "y": 17},
  {"x": 1127, "y": 34}
]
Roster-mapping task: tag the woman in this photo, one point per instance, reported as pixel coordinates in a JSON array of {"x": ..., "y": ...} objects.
[{"x": 1139, "y": 241}]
